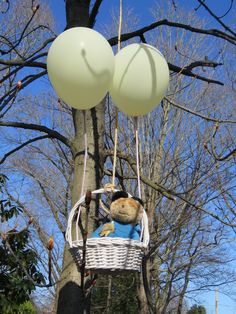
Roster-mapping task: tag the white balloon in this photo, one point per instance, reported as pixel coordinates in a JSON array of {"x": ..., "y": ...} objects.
[
  {"x": 140, "y": 79},
  {"x": 80, "y": 67}
]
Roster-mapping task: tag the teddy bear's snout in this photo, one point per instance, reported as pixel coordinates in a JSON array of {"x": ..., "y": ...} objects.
[{"x": 122, "y": 210}]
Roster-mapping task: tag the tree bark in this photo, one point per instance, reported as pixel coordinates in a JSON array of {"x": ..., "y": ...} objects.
[
  {"x": 142, "y": 299},
  {"x": 70, "y": 297},
  {"x": 77, "y": 13}
]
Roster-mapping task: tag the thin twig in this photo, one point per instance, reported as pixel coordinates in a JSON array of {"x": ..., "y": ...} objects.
[
  {"x": 210, "y": 119},
  {"x": 216, "y": 17}
]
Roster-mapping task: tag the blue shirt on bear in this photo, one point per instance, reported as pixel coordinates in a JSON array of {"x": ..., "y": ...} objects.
[{"x": 126, "y": 231}]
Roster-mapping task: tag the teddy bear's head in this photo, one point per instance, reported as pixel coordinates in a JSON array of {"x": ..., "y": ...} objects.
[{"x": 125, "y": 209}]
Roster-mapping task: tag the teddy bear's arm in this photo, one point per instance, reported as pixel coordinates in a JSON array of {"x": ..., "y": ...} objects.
[{"x": 107, "y": 229}]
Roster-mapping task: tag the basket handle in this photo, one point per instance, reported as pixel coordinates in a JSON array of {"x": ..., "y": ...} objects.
[
  {"x": 145, "y": 237},
  {"x": 70, "y": 219},
  {"x": 74, "y": 211}
]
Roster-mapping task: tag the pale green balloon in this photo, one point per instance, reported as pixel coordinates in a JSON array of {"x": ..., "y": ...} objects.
[
  {"x": 140, "y": 79},
  {"x": 80, "y": 66}
]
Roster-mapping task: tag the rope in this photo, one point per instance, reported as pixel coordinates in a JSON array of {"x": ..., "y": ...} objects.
[
  {"x": 84, "y": 172},
  {"x": 115, "y": 151},
  {"x": 137, "y": 156},
  {"x": 85, "y": 155},
  {"x": 138, "y": 174},
  {"x": 116, "y": 120},
  {"x": 120, "y": 26}
]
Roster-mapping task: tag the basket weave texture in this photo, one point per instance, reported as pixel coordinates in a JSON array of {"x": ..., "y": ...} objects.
[{"x": 107, "y": 255}]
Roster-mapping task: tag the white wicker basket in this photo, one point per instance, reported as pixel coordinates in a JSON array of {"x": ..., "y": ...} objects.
[{"x": 106, "y": 255}]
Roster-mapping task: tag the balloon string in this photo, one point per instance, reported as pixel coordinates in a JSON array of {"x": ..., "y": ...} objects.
[
  {"x": 137, "y": 156},
  {"x": 120, "y": 26},
  {"x": 84, "y": 172},
  {"x": 115, "y": 150},
  {"x": 116, "y": 121},
  {"x": 138, "y": 172},
  {"x": 85, "y": 154}
]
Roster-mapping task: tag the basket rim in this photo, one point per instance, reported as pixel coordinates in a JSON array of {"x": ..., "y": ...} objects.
[{"x": 108, "y": 241}]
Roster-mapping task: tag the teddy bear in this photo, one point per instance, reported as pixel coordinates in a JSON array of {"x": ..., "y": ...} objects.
[{"x": 126, "y": 213}]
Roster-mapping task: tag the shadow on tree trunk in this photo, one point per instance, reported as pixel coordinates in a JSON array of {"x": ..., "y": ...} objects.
[{"x": 69, "y": 300}]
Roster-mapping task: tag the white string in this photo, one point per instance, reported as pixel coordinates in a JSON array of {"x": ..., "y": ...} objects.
[
  {"x": 116, "y": 120},
  {"x": 143, "y": 223},
  {"x": 85, "y": 155},
  {"x": 120, "y": 27},
  {"x": 84, "y": 173},
  {"x": 137, "y": 156},
  {"x": 115, "y": 151}
]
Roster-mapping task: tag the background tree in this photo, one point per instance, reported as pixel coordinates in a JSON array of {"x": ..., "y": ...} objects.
[
  {"x": 197, "y": 309},
  {"x": 18, "y": 261},
  {"x": 187, "y": 183}
]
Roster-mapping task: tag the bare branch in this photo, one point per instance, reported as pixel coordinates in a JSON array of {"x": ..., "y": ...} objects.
[
  {"x": 230, "y": 7},
  {"x": 22, "y": 63},
  {"x": 206, "y": 211},
  {"x": 202, "y": 63},
  {"x": 232, "y": 153},
  {"x": 22, "y": 34},
  {"x": 187, "y": 71},
  {"x": 51, "y": 205},
  {"x": 29, "y": 126},
  {"x": 213, "y": 32},
  {"x": 175, "y": 104},
  {"x": 7, "y": 8},
  {"x": 94, "y": 13},
  {"x": 22, "y": 146},
  {"x": 12, "y": 93},
  {"x": 48, "y": 41},
  {"x": 216, "y": 17}
]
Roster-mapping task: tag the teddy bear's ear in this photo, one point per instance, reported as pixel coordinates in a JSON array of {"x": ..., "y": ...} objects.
[
  {"x": 119, "y": 194},
  {"x": 138, "y": 200}
]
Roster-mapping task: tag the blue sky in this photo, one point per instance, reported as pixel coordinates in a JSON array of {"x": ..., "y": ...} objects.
[{"x": 225, "y": 304}]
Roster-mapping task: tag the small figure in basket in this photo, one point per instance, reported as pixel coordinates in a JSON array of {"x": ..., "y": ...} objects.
[{"x": 126, "y": 214}]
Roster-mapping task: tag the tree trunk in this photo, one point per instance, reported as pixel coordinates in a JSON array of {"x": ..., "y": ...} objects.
[
  {"x": 70, "y": 296},
  {"x": 142, "y": 299},
  {"x": 77, "y": 13}
]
